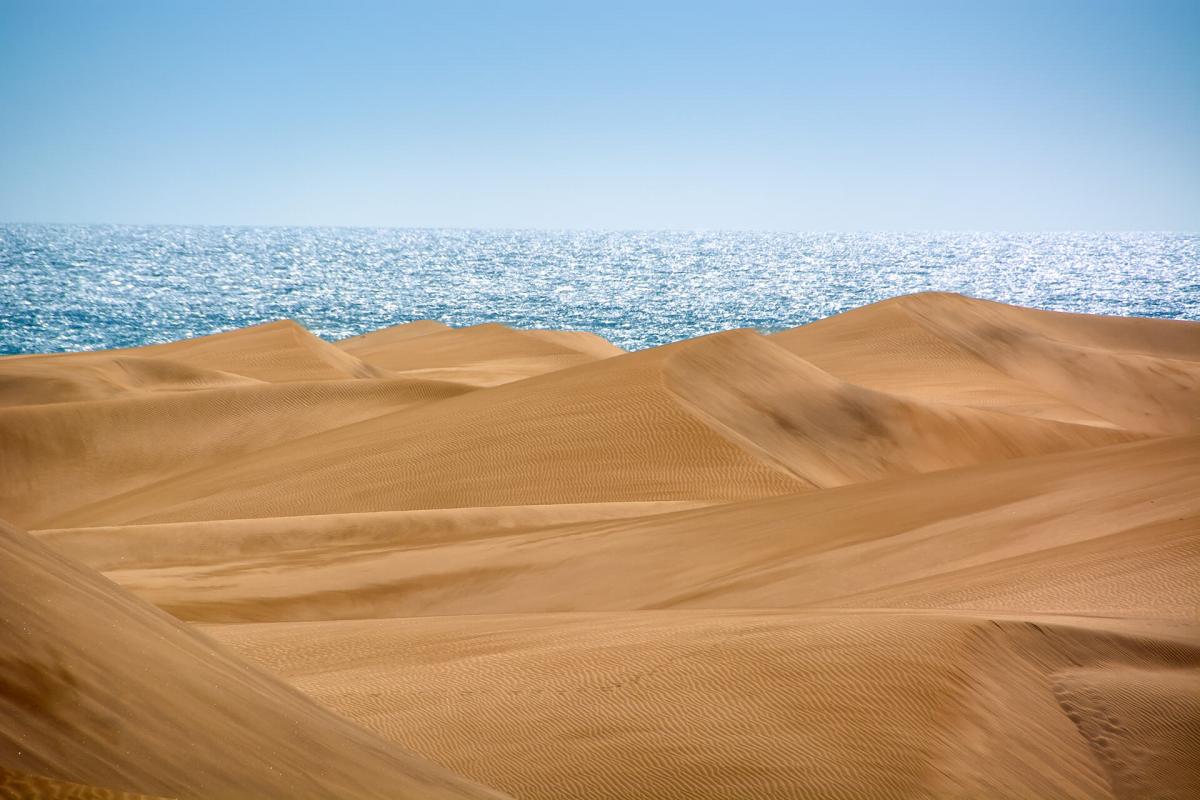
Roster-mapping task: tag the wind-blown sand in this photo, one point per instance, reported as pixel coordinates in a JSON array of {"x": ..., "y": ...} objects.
[{"x": 934, "y": 547}]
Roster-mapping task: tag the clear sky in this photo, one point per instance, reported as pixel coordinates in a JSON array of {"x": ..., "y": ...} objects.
[{"x": 966, "y": 115}]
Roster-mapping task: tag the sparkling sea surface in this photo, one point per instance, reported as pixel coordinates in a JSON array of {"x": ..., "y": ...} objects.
[{"x": 86, "y": 287}]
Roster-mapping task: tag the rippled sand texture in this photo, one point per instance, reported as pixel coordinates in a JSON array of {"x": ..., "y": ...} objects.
[{"x": 933, "y": 547}]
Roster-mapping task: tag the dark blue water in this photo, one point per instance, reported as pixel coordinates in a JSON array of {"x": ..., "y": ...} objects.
[{"x": 86, "y": 287}]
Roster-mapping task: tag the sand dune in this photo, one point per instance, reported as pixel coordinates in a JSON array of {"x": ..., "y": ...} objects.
[
  {"x": 1028, "y": 535},
  {"x": 34, "y": 381},
  {"x": 481, "y": 355},
  {"x": 219, "y": 541},
  {"x": 380, "y": 340},
  {"x": 61, "y": 456},
  {"x": 1138, "y": 374},
  {"x": 277, "y": 351},
  {"x": 737, "y": 704},
  {"x": 828, "y": 433},
  {"x": 100, "y": 688},
  {"x": 934, "y": 547},
  {"x": 607, "y": 431},
  {"x": 725, "y": 417}
]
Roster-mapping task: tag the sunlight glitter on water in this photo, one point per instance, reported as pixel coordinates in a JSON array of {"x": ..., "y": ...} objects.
[{"x": 86, "y": 287}]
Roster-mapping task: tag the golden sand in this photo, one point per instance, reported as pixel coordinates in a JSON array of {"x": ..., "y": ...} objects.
[{"x": 934, "y": 547}]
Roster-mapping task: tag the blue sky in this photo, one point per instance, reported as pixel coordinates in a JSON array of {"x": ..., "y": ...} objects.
[{"x": 786, "y": 116}]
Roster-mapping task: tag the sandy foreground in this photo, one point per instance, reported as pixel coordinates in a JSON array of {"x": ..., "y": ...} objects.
[{"x": 933, "y": 547}]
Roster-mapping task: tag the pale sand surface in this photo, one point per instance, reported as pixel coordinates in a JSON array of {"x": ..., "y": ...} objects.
[{"x": 934, "y": 547}]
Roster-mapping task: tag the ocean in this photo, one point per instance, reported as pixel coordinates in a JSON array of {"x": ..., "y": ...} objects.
[{"x": 68, "y": 288}]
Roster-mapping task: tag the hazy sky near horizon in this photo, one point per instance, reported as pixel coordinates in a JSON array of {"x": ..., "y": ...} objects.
[{"x": 787, "y": 116}]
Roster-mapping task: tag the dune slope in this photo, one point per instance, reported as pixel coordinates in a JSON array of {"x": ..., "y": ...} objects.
[
  {"x": 61, "y": 456},
  {"x": 741, "y": 705},
  {"x": 97, "y": 687},
  {"x": 831, "y": 433},
  {"x": 726, "y": 417},
  {"x": 16, "y": 785},
  {"x": 1069, "y": 533},
  {"x": 608, "y": 431},
  {"x": 1140, "y": 374},
  {"x": 481, "y": 355},
  {"x": 272, "y": 352}
]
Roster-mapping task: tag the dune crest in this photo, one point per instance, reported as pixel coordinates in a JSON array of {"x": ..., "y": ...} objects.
[
  {"x": 830, "y": 433},
  {"x": 1139, "y": 374},
  {"x": 480, "y": 355}
]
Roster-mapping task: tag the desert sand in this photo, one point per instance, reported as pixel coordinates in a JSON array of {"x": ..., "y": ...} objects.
[{"x": 933, "y": 547}]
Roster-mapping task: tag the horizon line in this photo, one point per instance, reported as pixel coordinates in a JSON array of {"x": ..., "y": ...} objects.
[{"x": 585, "y": 229}]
